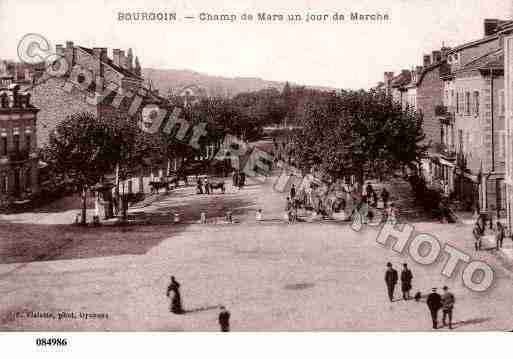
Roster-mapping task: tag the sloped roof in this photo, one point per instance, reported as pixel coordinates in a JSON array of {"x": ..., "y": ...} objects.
[
  {"x": 402, "y": 79},
  {"x": 491, "y": 60},
  {"x": 474, "y": 43},
  {"x": 109, "y": 62},
  {"x": 444, "y": 70}
]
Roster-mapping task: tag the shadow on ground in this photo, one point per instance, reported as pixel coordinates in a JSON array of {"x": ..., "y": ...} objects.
[{"x": 33, "y": 242}]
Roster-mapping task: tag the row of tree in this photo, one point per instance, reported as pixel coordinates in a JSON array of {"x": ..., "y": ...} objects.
[
  {"x": 361, "y": 133},
  {"x": 348, "y": 133}
]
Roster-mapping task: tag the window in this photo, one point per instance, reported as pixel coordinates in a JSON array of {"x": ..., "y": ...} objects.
[
  {"x": 3, "y": 183},
  {"x": 502, "y": 105},
  {"x": 460, "y": 140},
  {"x": 3, "y": 146},
  {"x": 16, "y": 142},
  {"x": 457, "y": 102},
  {"x": 28, "y": 179},
  {"x": 476, "y": 102},
  {"x": 467, "y": 103},
  {"x": 502, "y": 144},
  {"x": 27, "y": 141}
]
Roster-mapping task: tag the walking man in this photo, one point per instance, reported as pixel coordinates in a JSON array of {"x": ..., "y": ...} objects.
[
  {"x": 434, "y": 303},
  {"x": 384, "y": 197},
  {"x": 406, "y": 278},
  {"x": 477, "y": 232},
  {"x": 391, "y": 278},
  {"x": 448, "y": 301},
  {"x": 293, "y": 192},
  {"x": 224, "y": 320},
  {"x": 499, "y": 235}
]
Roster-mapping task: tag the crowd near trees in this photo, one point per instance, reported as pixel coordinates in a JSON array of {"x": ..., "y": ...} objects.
[
  {"x": 340, "y": 133},
  {"x": 365, "y": 134}
]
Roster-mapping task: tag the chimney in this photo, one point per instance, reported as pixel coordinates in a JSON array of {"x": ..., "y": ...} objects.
[
  {"x": 69, "y": 54},
  {"x": 426, "y": 60},
  {"x": 436, "y": 56},
  {"x": 101, "y": 54},
  {"x": 116, "y": 59},
  {"x": 444, "y": 50},
  {"x": 388, "y": 78},
  {"x": 59, "y": 49},
  {"x": 122, "y": 59},
  {"x": 490, "y": 26}
]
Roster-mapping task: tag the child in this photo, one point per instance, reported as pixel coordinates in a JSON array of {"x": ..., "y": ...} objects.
[{"x": 259, "y": 216}]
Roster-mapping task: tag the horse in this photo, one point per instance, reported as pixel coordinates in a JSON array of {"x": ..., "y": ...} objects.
[
  {"x": 157, "y": 185},
  {"x": 217, "y": 185}
]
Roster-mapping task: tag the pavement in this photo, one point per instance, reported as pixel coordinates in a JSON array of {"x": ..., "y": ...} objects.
[{"x": 272, "y": 276}]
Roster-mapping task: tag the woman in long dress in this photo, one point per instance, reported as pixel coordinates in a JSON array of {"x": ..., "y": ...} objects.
[{"x": 176, "y": 300}]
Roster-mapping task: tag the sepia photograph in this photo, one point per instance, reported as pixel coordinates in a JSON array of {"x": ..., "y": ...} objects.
[{"x": 255, "y": 166}]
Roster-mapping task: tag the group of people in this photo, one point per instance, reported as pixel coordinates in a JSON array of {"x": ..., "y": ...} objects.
[
  {"x": 238, "y": 179},
  {"x": 501, "y": 231},
  {"x": 392, "y": 277},
  {"x": 434, "y": 301},
  {"x": 173, "y": 292},
  {"x": 291, "y": 206},
  {"x": 370, "y": 196},
  {"x": 203, "y": 186}
]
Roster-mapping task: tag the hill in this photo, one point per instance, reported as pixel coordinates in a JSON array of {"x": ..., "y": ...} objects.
[{"x": 176, "y": 80}]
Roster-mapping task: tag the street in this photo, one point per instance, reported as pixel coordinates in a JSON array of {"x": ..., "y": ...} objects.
[{"x": 271, "y": 275}]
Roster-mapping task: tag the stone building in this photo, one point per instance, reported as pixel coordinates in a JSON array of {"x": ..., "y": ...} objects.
[
  {"x": 473, "y": 120},
  {"x": 61, "y": 96},
  {"x": 18, "y": 152},
  {"x": 507, "y": 39}
]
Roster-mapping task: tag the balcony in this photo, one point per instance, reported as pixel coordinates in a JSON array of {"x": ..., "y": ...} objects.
[
  {"x": 445, "y": 151},
  {"x": 444, "y": 114}
]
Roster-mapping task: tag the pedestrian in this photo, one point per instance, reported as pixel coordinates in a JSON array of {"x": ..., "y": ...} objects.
[
  {"x": 293, "y": 192},
  {"x": 235, "y": 179},
  {"x": 259, "y": 216},
  {"x": 224, "y": 320},
  {"x": 406, "y": 278},
  {"x": 199, "y": 186},
  {"x": 207, "y": 186},
  {"x": 499, "y": 235},
  {"x": 391, "y": 278},
  {"x": 434, "y": 303},
  {"x": 374, "y": 198},
  {"x": 391, "y": 214},
  {"x": 288, "y": 207},
  {"x": 242, "y": 180},
  {"x": 369, "y": 190},
  {"x": 448, "y": 301},
  {"x": 176, "y": 299},
  {"x": 476, "y": 231}
]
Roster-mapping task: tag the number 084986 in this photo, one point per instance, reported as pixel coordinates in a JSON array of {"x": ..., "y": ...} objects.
[{"x": 51, "y": 342}]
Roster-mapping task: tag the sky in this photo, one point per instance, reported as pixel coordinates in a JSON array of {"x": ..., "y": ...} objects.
[{"x": 336, "y": 54}]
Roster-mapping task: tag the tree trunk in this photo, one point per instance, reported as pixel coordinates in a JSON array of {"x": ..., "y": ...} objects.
[
  {"x": 84, "y": 207},
  {"x": 116, "y": 194},
  {"x": 124, "y": 205}
]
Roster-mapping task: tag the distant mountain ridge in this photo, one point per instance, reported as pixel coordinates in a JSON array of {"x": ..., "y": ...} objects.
[{"x": 176, "y": 80}]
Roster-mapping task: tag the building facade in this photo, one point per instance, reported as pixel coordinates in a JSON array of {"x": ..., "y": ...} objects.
[
  {"x": 18, "y": 144},
  {"x": 473, "y": 126},
  {"x": 507, "y": 39}
]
